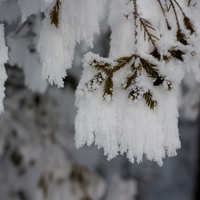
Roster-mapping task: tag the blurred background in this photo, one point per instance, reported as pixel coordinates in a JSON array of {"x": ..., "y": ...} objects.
[{"x": 38, "y": 159}]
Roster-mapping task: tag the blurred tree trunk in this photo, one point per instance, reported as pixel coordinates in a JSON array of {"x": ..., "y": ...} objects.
[{"x": 197, "y": 189}]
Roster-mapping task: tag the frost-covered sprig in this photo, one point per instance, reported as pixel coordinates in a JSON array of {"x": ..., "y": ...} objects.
[
  {"x": 95, "y": 82},
  {"x": 106, "y": 71},
  {"x": 187, "y": 22},
  {"x": 54, "y": 14},
  {"x": 136, "y": 91},
  {"x": 180, "y": 35},
  {"x": 159, "y": 51},
  {"x": 147, "y": 27}
]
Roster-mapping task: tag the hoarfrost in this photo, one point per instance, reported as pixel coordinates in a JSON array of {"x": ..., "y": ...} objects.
[{"x": 118, "y": 126}]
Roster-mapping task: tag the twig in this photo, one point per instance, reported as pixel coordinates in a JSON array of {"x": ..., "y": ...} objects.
[
  {"x": 168, "y": 26},
  {"x": 175, "y": 13}
]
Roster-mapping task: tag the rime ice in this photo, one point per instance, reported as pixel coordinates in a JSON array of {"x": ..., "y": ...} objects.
[
  {"x": 127, "y": 103},
  {"x": 128, "y": 125}
]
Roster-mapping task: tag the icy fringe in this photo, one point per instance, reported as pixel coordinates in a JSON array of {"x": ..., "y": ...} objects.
[
  {"x": 78, "y": 20},
  {"x": 116, "y": 123},
  {"x": 3, "y": 59}
]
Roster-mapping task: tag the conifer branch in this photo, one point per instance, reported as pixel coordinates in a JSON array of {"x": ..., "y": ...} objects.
[
  {"x": 189, "y": 1},
  {"x": 96, "y": 81},
  {"x": 146, "y": 24},
  {"x": 181, "y": 37},
  {"x": 168, "y": 8},
  {"x": 130, "y": 80},
  {"x": 122, "y": 62},
  {"x": 135, "y": 13},
  {"x": 178, "y": 54},
  {"x": 148, "y": 96},
  {"x": 156, "y": 54},
  {"x": 166, "y": 58},
  {"x": 149, "y": 101},
  {"x": 167, "y": 23},
  {"x": 100, "y": 66},
  {"x": 187, "y": 22},
  {"x": 149, "y": 68},
  {"x": 189, "y": 26},
  {"x": 175, "y": 13},
  {"x": 108, "y": 87},
  {"x": 108, "y": 71},
  {"x": 54, "y": 14},
  {"x": 134, "y": 94},
  {"x": 179, "y": 7}
]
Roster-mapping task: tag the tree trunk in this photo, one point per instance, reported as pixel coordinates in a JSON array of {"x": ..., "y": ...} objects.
[{"x": 197, "y": 187}]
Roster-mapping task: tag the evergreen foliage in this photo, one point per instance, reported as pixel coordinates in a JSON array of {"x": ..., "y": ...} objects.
[
  {"x": 54, "y": 14},
  {"x": 156, "y": 54},
  {"x": 149, "y": 100},
  {"x": 151, "y": 69},
  {"x": 188, "y": 24},
  {"x": 108, "y": 87},
  {"x": 94, "y": 83},
  {"x": 181, "y": 37},
  {"x": 178, "y": 54},
  {"x": 151, "y": 48},
  {"x": 130, "y": 80},
  {"x": 146, "y": 24}
]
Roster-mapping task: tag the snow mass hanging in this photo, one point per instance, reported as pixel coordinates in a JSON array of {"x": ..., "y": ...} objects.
[{"x": 127, "y": 103}]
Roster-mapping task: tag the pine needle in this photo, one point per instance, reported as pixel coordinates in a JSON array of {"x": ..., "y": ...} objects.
[
  {"x": 149, "y": 101},
  {"x": 181, "y": 37},
  {"x": 108, "y": 87},
  {"x": 149, "y": 68},
  {"x": 100, "y": 66},
  {"x": 130, "y": 80},
  {"x": 178, "y": 54},
  {"x": 133, "y": 95},
  {"x": 98, "y": 79},
  {"x": 147, "y": 25},
  {"x": 166, "y": 58},
  {"x": 188, "y": 24}
]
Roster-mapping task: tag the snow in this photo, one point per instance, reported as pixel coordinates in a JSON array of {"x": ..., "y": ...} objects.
[
  {"x": 78, "y": 21},
  {"x": 119, "y": 126},
  {"x": 117, "y": 120}
]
